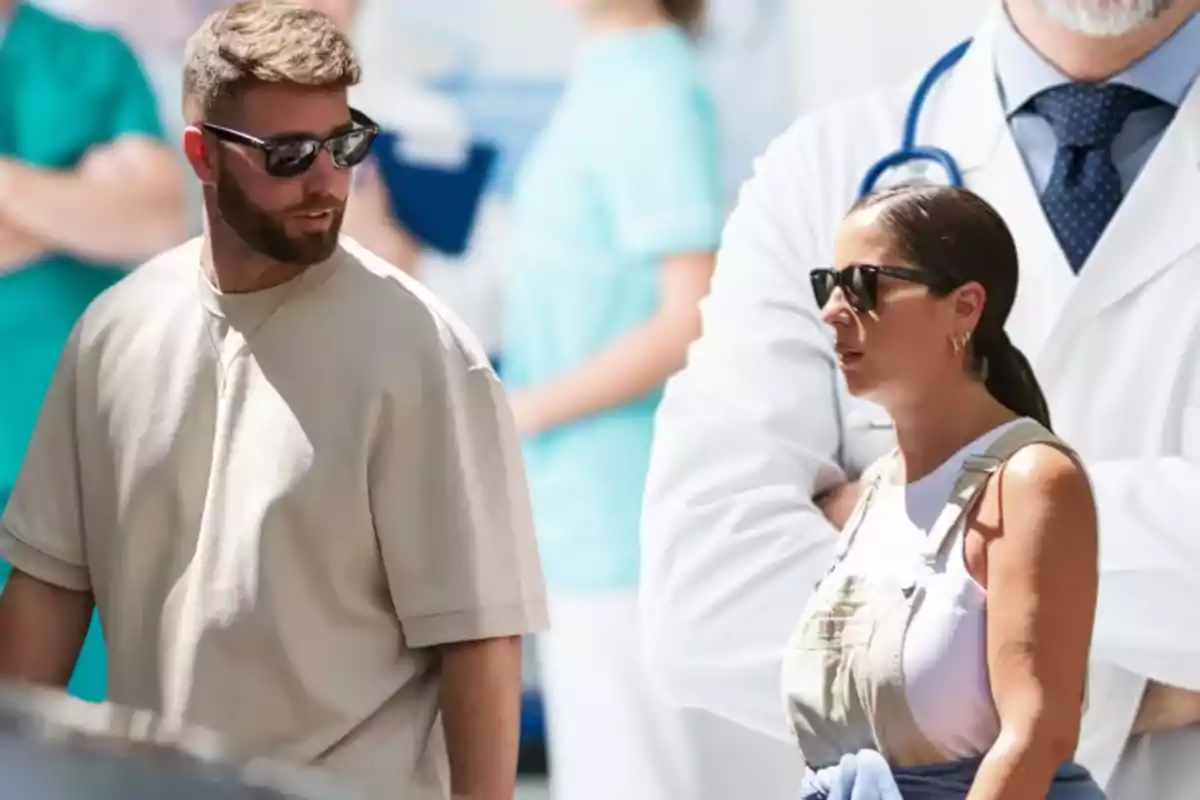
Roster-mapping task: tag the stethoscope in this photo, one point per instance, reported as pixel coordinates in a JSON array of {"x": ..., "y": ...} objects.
[{"x": 910, "y": 152}]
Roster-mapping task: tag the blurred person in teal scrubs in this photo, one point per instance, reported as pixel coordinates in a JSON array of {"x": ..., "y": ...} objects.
[
  {"x": 434, "y": 126},
  {"x": 617, "y": 212},
  {"x": 368, "y": 218},
  {"x": 87, "y": 187}
]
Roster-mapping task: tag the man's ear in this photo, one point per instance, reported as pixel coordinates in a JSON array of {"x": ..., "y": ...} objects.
[{"x": 199, "y": 154}]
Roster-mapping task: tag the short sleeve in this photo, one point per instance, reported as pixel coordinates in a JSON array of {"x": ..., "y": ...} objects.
[
  {"x": 660, "y": 172},
  {"x": 132, "y": 107},
  {"x": 451, "y": 512},
  {"x": 41, "y": 533}
]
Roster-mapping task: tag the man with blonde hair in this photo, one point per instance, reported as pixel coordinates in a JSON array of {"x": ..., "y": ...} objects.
[{"x": 287, "y": 479}]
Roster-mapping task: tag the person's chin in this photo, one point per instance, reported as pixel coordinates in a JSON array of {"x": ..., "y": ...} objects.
[
  {"x": 853, "y": 366},
  {"x": 315, "y": 248},
  {"x": 859, "y": 381}
]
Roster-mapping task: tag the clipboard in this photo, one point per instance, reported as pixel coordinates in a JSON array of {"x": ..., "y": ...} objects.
[{"x": 436, "y": 202}]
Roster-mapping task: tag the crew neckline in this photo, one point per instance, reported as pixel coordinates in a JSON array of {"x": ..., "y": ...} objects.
[
  {"x": 952, "y": 464},
  {"x": 603, "y": 42},
  {"x": 248, "y": 304}
]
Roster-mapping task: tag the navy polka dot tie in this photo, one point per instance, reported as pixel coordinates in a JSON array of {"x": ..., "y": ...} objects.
[{"x": 1085, "y": 187}]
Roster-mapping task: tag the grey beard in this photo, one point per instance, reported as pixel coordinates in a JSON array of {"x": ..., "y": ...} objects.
[{"x": 1102, "y": 18}]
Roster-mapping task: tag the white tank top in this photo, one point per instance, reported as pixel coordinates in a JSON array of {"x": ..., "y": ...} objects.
[{"x": 945, "y": 652}]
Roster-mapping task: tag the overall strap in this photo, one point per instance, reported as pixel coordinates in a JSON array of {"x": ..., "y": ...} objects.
[
  {"x": 872, "y": 477},
  {"x": 974, "y": 475}
]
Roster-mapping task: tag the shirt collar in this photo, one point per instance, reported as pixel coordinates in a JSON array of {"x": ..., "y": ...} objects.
[{"x": 1167, "y": 72}]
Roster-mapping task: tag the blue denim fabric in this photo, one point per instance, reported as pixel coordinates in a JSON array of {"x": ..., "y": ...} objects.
[{"x": 866, "y": 776}]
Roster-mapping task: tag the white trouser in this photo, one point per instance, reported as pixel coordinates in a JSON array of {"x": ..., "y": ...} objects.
[{"x": 609, "y": 736}]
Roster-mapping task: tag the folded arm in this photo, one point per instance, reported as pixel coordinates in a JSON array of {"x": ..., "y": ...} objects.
[
  {"x": 1149, "y": 567},
  {"x": 18, "y": 248},
  {"x": 123, "y": 203},
  {"x": 1150, "y": 570},
  {"x": 633, "y": 365},
  {"x": 1166, "y": 708},
  {"x": 747, "y": 435}
]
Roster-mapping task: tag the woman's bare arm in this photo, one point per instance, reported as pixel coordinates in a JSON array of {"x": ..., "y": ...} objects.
[{"x": 1042, "y": 575}]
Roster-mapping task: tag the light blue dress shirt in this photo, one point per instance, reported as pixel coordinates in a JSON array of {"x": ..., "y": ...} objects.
[
  {"x": 626, "y": 174},
  {"x": 1167, "y": 73}
]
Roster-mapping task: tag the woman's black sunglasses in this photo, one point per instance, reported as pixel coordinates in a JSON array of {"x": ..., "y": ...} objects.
[
  {"x": 289, "y": 155},
  {"x": 860, "y": 283}
]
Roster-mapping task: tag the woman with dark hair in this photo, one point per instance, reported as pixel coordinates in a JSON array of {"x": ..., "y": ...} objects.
[
  {"x": 616, "y": 215},
  {"x": 945, "y": 653}
]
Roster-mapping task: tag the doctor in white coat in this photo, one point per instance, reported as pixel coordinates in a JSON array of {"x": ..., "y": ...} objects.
[{"x": 1101, "y": 187}]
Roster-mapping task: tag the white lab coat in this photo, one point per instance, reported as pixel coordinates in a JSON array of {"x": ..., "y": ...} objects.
[{"x": 759, "y": 420}]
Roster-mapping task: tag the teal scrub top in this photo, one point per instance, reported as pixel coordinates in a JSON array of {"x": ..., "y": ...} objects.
[
  {"x": 64, "y": 88},
  {"x": 626, "y": 173}
]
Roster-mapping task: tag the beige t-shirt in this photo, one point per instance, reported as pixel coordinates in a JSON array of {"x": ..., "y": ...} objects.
[{"x": 281, "y": 501}]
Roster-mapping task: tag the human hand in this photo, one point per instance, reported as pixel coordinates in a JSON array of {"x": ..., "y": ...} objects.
[
  {"x": 110, "y": 161},
  {"x": 1166, "y": 708},
  {"x": 838, "y": 503},
  {"x": 368, "y": 193},
  {"x": 528, "y": 412},
  {"x": 17, "y": 249},
  {"x": 370, "y": 221}
]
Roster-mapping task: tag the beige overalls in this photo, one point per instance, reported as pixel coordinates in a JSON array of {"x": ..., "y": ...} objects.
[{"x": 843, "y": 682}]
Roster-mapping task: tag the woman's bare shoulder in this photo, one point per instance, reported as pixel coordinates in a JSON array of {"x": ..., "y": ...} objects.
[{"x": 1044, "y": 474}]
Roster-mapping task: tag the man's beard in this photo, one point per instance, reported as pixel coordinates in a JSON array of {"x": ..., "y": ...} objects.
[
  {"x": 1103, "y": 17},
  {"x": 264, "y": 231}
]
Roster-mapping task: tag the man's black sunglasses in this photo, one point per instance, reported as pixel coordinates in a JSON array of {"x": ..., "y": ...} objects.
[
  {"x": 860, "y": 283},
  {"x": 289, "y": 155}
]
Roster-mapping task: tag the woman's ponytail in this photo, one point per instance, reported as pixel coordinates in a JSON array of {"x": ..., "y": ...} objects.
[
  {"x": 1009, "y": 377},
  {"x": 958, "y": 238}
]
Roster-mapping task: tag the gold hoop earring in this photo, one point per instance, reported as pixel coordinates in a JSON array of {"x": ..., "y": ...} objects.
[{"x": 960, "y": 343}]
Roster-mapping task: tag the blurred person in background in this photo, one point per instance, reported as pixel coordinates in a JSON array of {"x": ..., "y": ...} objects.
[
  {"x": 616, "y": 213},
  {"x": 369, "y": 219},
  {"x": 87, "y": 188},
  {"x": 157, "y": 32},
  {"x": 433, "y": 131}
]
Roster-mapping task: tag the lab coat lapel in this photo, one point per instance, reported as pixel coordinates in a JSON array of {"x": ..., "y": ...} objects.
[
  {"x": 970, "y": 124},
  {"x": 1156, "y": 225}
]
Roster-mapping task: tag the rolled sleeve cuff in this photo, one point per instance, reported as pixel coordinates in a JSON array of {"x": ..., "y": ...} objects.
[
  {"x": 659, "y": 234},
  {"x": 31, "y": 561},
  {"x": 475, "y": 624}
]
